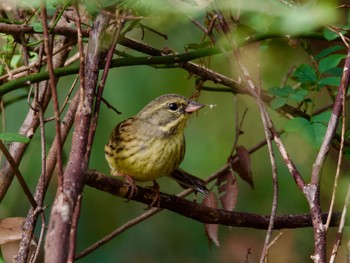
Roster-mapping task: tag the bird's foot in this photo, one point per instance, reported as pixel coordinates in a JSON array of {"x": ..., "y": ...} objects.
[
  {"x": 132, "y": 188},
  {"x": 156, "y": 198}
]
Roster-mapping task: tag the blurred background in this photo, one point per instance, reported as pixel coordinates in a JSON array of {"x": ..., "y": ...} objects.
[{"x": 168, "y": 237}]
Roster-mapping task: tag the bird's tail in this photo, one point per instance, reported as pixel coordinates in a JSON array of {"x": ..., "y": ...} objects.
[{"x": 187, "y": 180}]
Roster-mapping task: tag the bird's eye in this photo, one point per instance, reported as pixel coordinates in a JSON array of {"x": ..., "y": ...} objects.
[{"x": 173, "y": 106}]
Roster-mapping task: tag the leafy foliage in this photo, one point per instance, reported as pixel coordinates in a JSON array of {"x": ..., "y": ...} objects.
[
  {"x": 178, "y": 35},
  {"x": 312, "y": 131}
]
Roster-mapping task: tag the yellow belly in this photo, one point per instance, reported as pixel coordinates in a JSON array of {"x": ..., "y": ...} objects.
[{"x": 144, "y": 163}]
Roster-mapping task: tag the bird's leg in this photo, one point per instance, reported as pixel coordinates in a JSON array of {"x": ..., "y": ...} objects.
[
  {"x": 156, "y": 200},
  {"x": 132, "y": 188}
]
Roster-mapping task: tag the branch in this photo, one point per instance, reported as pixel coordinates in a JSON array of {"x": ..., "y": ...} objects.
[
  {"x": 208, "y": 74},
  {"x": 31, "y": 122},
  {"x": 53, "y": 82},
  {"x": 44, "y": 180},
  {"x": 12, "y": 29},
  {"x": 199, "y": 212},
  {"x": 18, "y": 174},
  {"x": 312, "y": 191},
  {"x": 57, "y": 239}
]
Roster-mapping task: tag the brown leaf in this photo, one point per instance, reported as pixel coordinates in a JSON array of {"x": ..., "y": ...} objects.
[
  {"x": 211, "y": 230},
  {"x": 11, "y": 229},
  {"x": 228, "y": 190},
  {"x": 10, "y": 237},
  {"x": 243, "y": 166}
]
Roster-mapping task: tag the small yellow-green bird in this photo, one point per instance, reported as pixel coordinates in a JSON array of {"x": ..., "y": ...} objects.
[{"x": 152, "y": 143}]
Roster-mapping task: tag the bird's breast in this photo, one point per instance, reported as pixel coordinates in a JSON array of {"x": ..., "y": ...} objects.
[{"x": 147, "y": 157}]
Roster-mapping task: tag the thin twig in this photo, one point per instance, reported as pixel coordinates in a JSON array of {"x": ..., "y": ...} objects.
[
  {"x": 41, "y": 236},
  {"x": 109, "y": 106},
  {"x": 273, "y": 242},
  {"x": 119, "y": 26},
  {"x": 66, "y": 100},
  {"x": 73, "y": 231},
  {"x": 312, "y": 190},
  {"x": 249, "y": 252},
  {"x": 347, "y": 199},
  {"x": 18, "y": 174},
  {"x": 41, "y": 99},
  {"x": 333, "y": 122},
  {"x": 23, "y": 252},
  {"x": 43, "y": 182},
  {"x": 239, "y": 125},
  {"x": 341, "y": 226},
  {"x": 267, "y": 125},
  {"x": 56, "y": 107},
  {"x": 150, "y": 212},
  {"x": 340, "y": 159},
  {"x": 207, "y": 31}
]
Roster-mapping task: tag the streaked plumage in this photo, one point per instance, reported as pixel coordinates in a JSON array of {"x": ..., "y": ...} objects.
[{"x": 152, "y": 143}]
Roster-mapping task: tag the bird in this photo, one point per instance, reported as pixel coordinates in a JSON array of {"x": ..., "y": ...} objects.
[{"x": 152, "y": 144}]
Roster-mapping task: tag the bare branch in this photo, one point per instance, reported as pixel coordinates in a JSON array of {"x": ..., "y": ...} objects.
[
  {"x": 198, "y": 212},
  {"x": 341, "y": 226},
  {"x": 13, "y": 29},
  {"x": 45, "y": 179},
  {"x": 30, "y": 123},
  {"x": 56, "y": 245},
  {"x": 52, "y": 81},
  {"x": 18, "y": 174}
]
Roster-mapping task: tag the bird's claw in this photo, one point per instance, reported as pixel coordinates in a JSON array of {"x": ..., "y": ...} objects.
[
  {"x": 132, "y": 188},
  {"x": 156, "y": 198}
]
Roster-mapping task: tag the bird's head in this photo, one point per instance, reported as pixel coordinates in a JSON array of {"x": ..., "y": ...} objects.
[{"x": 168, "y": 113}]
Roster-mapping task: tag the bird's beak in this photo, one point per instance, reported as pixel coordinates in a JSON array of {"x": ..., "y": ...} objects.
[{"x": 193, "y": 106}]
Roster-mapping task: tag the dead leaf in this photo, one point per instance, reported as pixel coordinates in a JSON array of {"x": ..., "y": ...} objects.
[
  {"x": 228, "y": 190},
  {"x": 11, "y": 229},
  {"x": 243, "y": 166},
  {"x": 211, "y": 230},
  {"x": 10, "y": 237}
]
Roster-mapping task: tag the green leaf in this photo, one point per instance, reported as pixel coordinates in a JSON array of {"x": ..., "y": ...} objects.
[
  {"x": 278, "y": 102},
  {"x": 38, "y": 27},
  {"x": 300, "y": 95},
  {"x": 328, "y": 51},
  {"x": 281, "y": 92},
  {"x": 313, "y": 133},
  {"x": 337, "y": 71},
  {"x": 329, "y": 62},
  {"x": 329, "y": 34},
  {"x": 296, "y": 124},
  {"x": 14, "y": 137},
  {"x": 305, "y": 74},
  {"x": 15, "y": 61},
  {"x": 329, "y": 81},
  {"x": 318, "y": 132},
  {"x": 322, "y": 117}
]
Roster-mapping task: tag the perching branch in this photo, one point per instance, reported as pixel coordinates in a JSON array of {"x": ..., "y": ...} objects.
[{"x": 199, "y": 212}]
